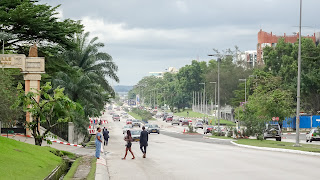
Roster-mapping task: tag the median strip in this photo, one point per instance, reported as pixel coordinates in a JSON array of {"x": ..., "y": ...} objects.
[{"x": 305, "y": 149}]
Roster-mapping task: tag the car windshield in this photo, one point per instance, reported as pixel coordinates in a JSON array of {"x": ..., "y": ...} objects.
[
  {"x": 116, "y": 115},
  {"x": 209, "y": 126},
  {"x": 135, "y": 132},
  {"x": 155, "y": 126},
  {"x": 273, "y": 126},
  {"x": 127, "y": 127}
]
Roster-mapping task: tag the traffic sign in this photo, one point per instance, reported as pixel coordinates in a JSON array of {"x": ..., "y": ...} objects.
[
  {"x": 277, "y": 118},
  {"x": 273, "y": 118}
]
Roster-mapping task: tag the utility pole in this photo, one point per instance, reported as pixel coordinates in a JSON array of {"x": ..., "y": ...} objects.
[
  {"x": 298, "y": 83},
  {"x": 204, "y": 94},
  {"x": 198, "y": 101},
  {"x": 245, "y": 89},
  {"x": 215, "y": 100}
]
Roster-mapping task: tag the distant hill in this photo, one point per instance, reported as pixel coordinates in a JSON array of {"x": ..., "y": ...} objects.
[{"x": 122, "y": 88}]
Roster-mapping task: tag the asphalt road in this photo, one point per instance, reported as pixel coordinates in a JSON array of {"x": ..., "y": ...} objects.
[{"x": 171, "y": 155}]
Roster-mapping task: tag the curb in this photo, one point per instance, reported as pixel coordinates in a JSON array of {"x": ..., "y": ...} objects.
[
  {"x": 69, "y": 144},
  {"x": 292, "y": 133},
  {"x": 276, "y": 149},
  {"x": 218, "y": 139}
]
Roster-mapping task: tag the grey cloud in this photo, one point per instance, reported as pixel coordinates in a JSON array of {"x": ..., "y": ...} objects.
[{"x": 151, "y": 35}]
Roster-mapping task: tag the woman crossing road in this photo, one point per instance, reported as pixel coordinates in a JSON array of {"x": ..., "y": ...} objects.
[{"x": 128, "y": 139}]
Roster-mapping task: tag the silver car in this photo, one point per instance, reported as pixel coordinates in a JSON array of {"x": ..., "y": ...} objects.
[
  {"x": 126, "y": 128},
  {"x": 198, "y": 125},
  {"x": 154, "y": 129},
  {"x": 136, "y": 123},
  {"x": 272, "y": 131}
]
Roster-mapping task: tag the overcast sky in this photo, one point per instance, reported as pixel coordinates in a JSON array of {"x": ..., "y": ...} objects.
[{"x": 151, "y": 35}]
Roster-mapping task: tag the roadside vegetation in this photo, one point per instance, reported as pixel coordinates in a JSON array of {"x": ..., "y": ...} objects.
[
  {"x": 74, "y": 64},
  {"x": 73, "y": 169},
  {"x": 141, "y": 114},
  {"x": 20, "y": 160},
  {"x": 279, "y": 144}
]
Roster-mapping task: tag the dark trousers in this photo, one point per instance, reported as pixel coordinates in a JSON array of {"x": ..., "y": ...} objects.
[
  {"x": 106, "y": 142},
  {"x": 144, "y": 150}
]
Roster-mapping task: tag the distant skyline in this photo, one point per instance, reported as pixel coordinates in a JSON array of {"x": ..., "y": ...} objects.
[{"x": 149, "y": 36}]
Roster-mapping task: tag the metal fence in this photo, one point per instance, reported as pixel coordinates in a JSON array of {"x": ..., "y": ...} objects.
[
  {"x": 8, "y": 127},
  {"x": 61, "y": 130}
]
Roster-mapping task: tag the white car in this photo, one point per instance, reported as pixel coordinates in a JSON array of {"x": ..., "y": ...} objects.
[
  {"x": 313, "y": 135},
  {"x": 126, "y": 128}
]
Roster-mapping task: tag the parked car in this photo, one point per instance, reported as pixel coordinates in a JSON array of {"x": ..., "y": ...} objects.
[
  {"x": 272, "y": 131},
  {"x": 198, "y": 125},
  {"x": 154, "y": 129},
  {"x": 125, "y": 128},
  {"x": 135, "y": 134},
  {"x": 175, "y": 121},
  {"x": 207, "y": 129},
  {"x": 169, "y": 118},
  {"x": 181, "y": 119},
  {"x": 313, "y": 135},
  {"x": 136, "y": 123},
  {"x": 185, "y": 122},
  {"x": 158, "y": 115},
  {"x": 129, "y": 121},
  {"x": 220, "y": 129},
  {"x": 200, "y": 120},
  {"x": 116, "y": 117},
  {"x": 111, "y": 112}
]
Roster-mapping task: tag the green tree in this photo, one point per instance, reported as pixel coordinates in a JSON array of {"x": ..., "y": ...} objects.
[
  {"x": 29, "y": 22},
  {"x": 268, "y": 100},
  {"x": 282, "y": 61},
  {"x": 51, "y": 109},
  {"x": 8, "y": 95},
  {"x": 83, "y": 73}
]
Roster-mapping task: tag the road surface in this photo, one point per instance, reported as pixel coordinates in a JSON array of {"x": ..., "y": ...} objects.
[{"x": 172, "y": 155}]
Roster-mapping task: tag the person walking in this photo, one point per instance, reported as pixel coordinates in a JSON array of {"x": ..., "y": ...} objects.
[
  {"x": 105, "y": 136},
  {"x": 98, "y": 143},
  {"x": 128, "y": 139},
  {"x": 144, "y": 141}
]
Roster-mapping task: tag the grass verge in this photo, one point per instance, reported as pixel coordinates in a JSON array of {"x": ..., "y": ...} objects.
[
  {"x": 221, "y": 137},
  {"x": 136, "y": 116},
  {"x": 222, "y": 122},
  {"x": 73, "y": 169},
  {"x": 191, "y": 114},
  {"x": 20, "y": 160},
  {"x": 279, "y": 144},
  {"x": 92, "y": 173}
]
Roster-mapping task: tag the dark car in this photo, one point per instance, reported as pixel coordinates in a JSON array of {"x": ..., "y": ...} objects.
[
  {"x": 169, "y": 118},
  {"x": 207, "y": 129}
]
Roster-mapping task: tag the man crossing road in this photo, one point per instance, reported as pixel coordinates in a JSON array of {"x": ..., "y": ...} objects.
[{"x": 144, "y": 141}]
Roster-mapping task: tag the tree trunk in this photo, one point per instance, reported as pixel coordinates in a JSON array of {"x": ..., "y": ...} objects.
[{"x": 38, "y": 141}]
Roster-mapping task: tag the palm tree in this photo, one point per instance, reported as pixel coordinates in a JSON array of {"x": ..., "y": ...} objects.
[
  {"x": 97, "y": 65},
  {"x": 84, "y": 74}
]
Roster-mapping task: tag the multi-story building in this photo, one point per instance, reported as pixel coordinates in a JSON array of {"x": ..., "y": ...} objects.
[
  {"x": 160, "y": 74},
  {"x": 268, "y": 39},
  {"x": 247, "y": 58}
]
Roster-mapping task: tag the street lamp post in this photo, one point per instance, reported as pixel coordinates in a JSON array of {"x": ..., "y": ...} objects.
[
  {"x": 215, "y": 100},
  {"x": 204, "y": 97},
  {"x": 298, "y": 83},
  {"x": 219, "y": 60},
  {"x": 245, "y": 89}
]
